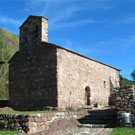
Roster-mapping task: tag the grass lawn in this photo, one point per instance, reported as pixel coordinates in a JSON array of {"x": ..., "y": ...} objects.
[
  {"x": 123, "y": 131},
  {"x": 35, "y": 112},
  {"x": 9, "y": 132}
]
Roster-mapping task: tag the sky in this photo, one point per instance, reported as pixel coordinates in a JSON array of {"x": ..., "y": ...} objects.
[{"x": 100, "y": 29}]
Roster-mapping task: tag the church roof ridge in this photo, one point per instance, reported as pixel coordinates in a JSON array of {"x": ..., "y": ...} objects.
[{"x": 81, "y": 55}]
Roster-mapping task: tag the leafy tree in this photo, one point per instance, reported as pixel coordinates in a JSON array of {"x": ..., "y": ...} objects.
[
  {"x": 133, "y": 75},
  {"x": 124, "y": 81}
]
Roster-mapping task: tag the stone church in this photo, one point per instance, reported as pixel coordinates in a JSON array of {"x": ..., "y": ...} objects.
[{"x": 43, "y": 74}]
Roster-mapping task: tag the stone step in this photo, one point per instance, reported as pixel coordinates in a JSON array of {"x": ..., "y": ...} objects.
[
  {"x": 97, "y": 121},
  {"x": 100, "y": 118},
  {"x": 106, "y": 112},
  {"x": 96, "y": 125},
  {"x": 98, "y": 115},
  {"x": 101, "y": 114}
]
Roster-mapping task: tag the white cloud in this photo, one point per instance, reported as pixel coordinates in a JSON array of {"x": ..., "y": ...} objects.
[
  {"x": 8, "y": 20},
  {"x": 26, "y": 10},
  {"x": 65, "y": 13},
  {"x": 126, "y": 44},
  {"x": 53, "y": 1},
  {"x": 61, "y": 13}
]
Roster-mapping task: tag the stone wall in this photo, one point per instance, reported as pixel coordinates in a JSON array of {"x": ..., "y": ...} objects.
[
  {"x": 50, "y": 75},
  {"x": 77, "y": 73},
  {"x": 125, "y": 101},
  {"x": 32, "y": 78},
  {"x": 32, "y": 123}
]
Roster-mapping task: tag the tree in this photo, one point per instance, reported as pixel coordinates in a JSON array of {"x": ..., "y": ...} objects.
[{"x": 133, "y": 75}]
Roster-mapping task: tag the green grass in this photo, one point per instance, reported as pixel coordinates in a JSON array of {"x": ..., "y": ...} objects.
[
  {"x": 123, "y": 131},
  {"x": 36, "y": 112},
  {"x": 9, "y": 132},
  {"x": 3, "y": 98}
]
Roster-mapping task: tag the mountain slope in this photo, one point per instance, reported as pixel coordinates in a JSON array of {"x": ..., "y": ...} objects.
[{"x": 9, "y": 44}]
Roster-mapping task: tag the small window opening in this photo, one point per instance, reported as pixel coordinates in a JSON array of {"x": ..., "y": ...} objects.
[
  {"x": 104, "y": 84},
  {"x": 35, "y": 30},
  {"x": 25, "y": 32}
]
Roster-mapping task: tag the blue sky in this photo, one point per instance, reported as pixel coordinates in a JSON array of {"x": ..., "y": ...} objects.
[{"x": 100, "y": 29}]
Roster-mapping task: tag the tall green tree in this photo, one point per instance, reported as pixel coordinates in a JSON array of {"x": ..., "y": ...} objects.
[
  {"x": 124, "y": 81},
  {"x": 133, "y": 74}
]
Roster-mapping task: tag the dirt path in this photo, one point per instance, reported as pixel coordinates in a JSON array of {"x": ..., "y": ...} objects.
[
  {"x": 87, "y": 131},
  {"x": 68, "y": 127},
  {"x": 79, "y": 131}
]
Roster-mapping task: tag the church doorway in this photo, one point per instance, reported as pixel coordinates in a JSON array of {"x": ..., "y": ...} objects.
[{"x": 87, "y": 95}]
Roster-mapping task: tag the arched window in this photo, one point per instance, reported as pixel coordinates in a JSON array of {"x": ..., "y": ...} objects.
[
  {"x": 25, "y": 34},
  {"x": 87, "y": 95},
  {"x": 35, "y": 30}
]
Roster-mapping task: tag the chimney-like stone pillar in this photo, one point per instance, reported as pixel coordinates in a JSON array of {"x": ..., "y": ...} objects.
[{"x": 33, "y": 31}]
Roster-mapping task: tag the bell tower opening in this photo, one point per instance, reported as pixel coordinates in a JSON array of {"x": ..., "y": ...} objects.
[{"x": 33, "y": 31}]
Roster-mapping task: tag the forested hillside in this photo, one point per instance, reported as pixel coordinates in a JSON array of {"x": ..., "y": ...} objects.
[{"x": 9, "y": 44}]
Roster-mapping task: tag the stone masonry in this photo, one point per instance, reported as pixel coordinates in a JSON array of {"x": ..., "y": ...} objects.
[
  {"x": 75, "y": 73},
  {"x": 125, "y": 101},
  {"x": 43, "y": 74},
  {"x": 33, "y": 31},
  {"x": 33, "y": 79},
  {"x": 33, "y": 123}
]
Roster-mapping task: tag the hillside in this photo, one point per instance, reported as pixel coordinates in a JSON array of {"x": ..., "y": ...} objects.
[{"x": 9, "y": 44}]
